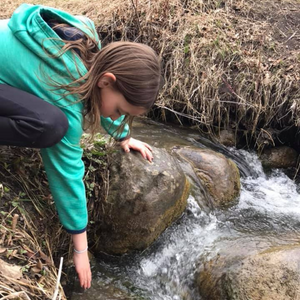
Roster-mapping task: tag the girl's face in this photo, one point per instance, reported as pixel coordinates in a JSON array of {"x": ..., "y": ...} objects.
[{"x": 113, "y": 103}]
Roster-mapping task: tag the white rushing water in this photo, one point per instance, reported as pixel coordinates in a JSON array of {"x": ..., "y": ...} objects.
[
  {"x": 169, "y": 272},
  {"x": 275, "y": 193},
  {"x": 269, "y": 205}
]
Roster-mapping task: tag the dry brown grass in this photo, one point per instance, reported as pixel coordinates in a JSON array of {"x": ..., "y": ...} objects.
[
  {"x": 30, "y": 240},
  {"x": 227, "y": 64},
  {"x": 35, "y": 240}
]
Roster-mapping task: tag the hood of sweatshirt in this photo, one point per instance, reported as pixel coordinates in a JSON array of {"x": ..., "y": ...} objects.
[
  {"x": 29, "y": 52},
  {"x": 29, "y": 26}
]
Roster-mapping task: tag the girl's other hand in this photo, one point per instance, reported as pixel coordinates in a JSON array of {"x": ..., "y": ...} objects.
[
  {"x": 82, "y": 266},
  {"x": 137, "y": 145}
]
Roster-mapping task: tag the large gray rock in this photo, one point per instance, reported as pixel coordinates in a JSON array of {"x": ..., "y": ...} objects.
[
  {"x": 271, "y": 274},
  {"x": 219, "y": 175},
  {"x": 143, "y": 200}
]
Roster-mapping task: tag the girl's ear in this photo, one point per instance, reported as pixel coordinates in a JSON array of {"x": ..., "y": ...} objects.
[{"x": 106, "y": 80}]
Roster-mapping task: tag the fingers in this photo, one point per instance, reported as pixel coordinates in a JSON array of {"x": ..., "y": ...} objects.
[
  {"x": 82, "y": 266},
  {"x": 144, "y": 148},
  {"x": 143, "y": 152},
  {"x": 148, "y": 151},
  {"x": 126, "y": 148},
  {"x": 148, "y": 146},
  {"x": 147, "y": 154},
  {"x": 85, "y": 279}
]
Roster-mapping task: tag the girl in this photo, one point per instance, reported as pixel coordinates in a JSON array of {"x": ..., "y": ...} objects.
[{"x": 55, "y": 81}]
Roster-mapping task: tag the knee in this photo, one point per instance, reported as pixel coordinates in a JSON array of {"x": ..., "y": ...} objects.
[{"x": 56, "y": 125}]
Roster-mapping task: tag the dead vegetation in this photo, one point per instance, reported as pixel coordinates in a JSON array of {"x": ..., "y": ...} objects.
[
  {"x": 227, "y": 64},
  {"x": 31, "y": 237},
  {"x": 29, "y": 232}
]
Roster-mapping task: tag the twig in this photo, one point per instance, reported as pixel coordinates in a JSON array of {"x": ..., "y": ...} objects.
[
  {"x": 16, "y": 295},
  {"x": 193, "y": 92},
  {"x": 15, "y": 221},
  {"x": 291, "y": 37},
  {"x": 5, "y": 287},
  {"x": 58, "y": 279},
  {"x": 20, "y": 282},
  {"x": 230, "y": 89},
  {"x": 297, "y": 168},
  {"x": 180, "y": 114},
  {"x": 136, "y": 14}
]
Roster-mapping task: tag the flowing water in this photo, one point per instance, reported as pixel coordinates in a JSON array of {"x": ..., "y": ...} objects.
[{"x": 267, "y": 214}]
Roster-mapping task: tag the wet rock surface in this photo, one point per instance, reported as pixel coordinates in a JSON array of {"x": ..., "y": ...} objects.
[
  {"x": 219, "y": 175},
  {"x": 280, "y": 157},
  {"x": 143, "y": 200},
  {"x": 272, "y": 274}
]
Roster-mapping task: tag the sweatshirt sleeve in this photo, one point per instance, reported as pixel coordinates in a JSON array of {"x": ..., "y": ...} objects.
[
  {"x": 111, "y": 127},
  {"x": 65, "y": 170}
]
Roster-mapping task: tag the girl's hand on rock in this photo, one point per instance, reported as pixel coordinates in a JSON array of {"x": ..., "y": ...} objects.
[
  {"x": 137, "y": 145},
  {"x": 82, "y": 266}
]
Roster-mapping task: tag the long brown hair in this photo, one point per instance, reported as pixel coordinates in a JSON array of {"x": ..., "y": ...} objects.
[{"x": 136, "y": 68}]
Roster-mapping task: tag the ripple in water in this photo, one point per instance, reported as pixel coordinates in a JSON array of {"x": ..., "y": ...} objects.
[
  {"x": 168, "y": 274},
  {"x": 268, "y": 204}
]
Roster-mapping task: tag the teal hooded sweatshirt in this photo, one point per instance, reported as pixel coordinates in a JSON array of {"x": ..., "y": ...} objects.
[{"x": 24, "y": 64}]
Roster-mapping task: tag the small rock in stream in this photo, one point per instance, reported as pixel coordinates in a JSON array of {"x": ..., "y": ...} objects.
[{"x": 279, "y": 157}]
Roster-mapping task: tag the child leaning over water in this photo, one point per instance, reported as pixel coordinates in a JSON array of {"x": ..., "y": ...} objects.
[{"x": 55, "y": 81}]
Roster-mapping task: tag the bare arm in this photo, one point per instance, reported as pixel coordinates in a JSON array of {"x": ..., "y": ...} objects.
[{"x": 81, "y": 260}]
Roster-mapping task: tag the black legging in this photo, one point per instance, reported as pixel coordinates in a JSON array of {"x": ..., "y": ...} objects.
[{"x": 28, "y": 121}]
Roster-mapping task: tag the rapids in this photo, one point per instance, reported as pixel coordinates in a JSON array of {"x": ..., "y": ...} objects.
[{"x": 267, "y": 214}]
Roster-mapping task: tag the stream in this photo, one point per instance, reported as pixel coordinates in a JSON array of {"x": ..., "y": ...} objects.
[{"x": 268, "y": 214}]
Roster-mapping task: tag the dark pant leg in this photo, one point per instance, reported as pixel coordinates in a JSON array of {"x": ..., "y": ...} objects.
[{"x": 28, "y": 121}]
